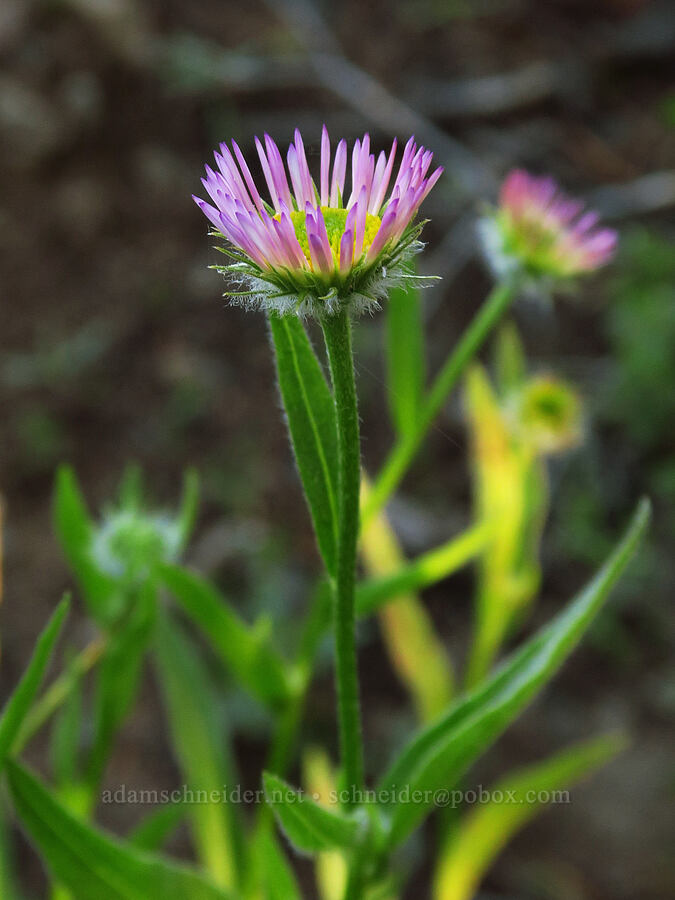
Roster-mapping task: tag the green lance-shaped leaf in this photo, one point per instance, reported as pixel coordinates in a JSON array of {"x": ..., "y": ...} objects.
[
  {"x": 118, "y": 678},
  {"x": 245, "y": 651},
  {"x": 156, "y": 828},
  {"x": 8, "y": 879},
  {"x": 473, "y": 846},
  {"x": 311, "y": 422},
  {"x": 309, "y": 827},
  {"x": 274, "y": 871},
  {"x": 66, "y": 736},
  {"x": 19, "y": 703},
  {"x": 405, "y": 357},
  {"x": 74, "y": 529},
  {"x": 92, "y": 864},
  {"x": 437, "y": 756},
  {"x": 189, "y": 505},
  {"x": 509, "y": 487},
  {"x": 130, "y": 494},
  {"x": 59, "y": 690},
  {"x": 200, "y": 746},
  {"x": 510, "y": 363}
]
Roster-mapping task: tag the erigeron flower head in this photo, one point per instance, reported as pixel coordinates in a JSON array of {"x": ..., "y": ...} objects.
[
  {"x": 547, "y": 413},
  {"x": 540, "y": 232},
  {"x": 316, "y": 247},
  {"x": 129, "y": 542},
  {"x": 131, "y": 538}
]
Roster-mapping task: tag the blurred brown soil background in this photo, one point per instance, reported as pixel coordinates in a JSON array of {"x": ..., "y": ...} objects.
[{"x": 115, "y": 345}]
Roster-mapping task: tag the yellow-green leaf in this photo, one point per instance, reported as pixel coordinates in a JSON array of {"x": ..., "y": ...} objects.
[
  {"x": 472, "y": 848},
  {"x": 201, "y": 749},
  {"x": 437, "y": 756}
]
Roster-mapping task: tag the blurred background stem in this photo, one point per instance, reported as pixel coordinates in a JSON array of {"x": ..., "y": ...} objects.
[{"x": 403, "y": 452}]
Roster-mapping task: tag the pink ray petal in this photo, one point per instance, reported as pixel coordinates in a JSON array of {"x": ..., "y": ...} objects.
[
  {"x": 248, "y": 178},
  {"x": 339, "y": 172},
  {"x": 360, "y": 229},
  {"x": 267, "y": 172},
  {"x": 346, "y": 251},
  {"x": 325, "y": 165}
]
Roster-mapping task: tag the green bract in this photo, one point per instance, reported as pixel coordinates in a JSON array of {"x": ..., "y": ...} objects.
[{"x": 314, "y": 293}]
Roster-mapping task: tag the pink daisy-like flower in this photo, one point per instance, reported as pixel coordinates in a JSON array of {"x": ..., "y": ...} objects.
[
  {"x": 541, "y": 231},
  {"x": 313, "y": 247}
]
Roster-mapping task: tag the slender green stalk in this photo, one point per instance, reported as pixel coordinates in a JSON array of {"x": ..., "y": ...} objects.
[
  {"x": 337, "y": 334},
  {"x": 58, "y": 692},
  {"x": 427, "y": 569},
  {"x": 405, "y": 449}
]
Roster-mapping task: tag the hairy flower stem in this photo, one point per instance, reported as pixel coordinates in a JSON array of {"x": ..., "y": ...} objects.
[
  {"x": 404, "y": 451},
  {"x": 337, "y": 334}
]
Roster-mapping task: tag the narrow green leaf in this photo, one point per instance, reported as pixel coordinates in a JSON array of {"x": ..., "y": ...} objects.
[
  {"x": 275, "y": 873},
  {"x": 248, "y": 654},
  {"x": 92, "y": 864},
  {"x": 59, "y": 690},
  {"x": 473, "y": 847},
  {"x": 405, "y": 357},
  {"x": 118, "y": 678},
  {"x": 19, "y": 703},
  {"x": 510, "y": 364},
  {"x": 66, "y": 734},
  {"x": 189, "y": 504},
  {"x": 509, "y": 487},
  {"x": 71, "y": 517},
  {"x": 74, "y": 529},
  {"x": 156, "y": 828},
  {"x": 8, "y": 881},
  {"x": 439, "y": 754},
  {"x": 200, "y": 745},
  {"x": 131, "y": 487},
  {"x": 311, "y": 422},
  {"x": 309, "y": 827}
]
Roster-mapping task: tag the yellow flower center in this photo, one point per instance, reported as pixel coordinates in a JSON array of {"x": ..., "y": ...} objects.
[{"x": 335, "y": 226}]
